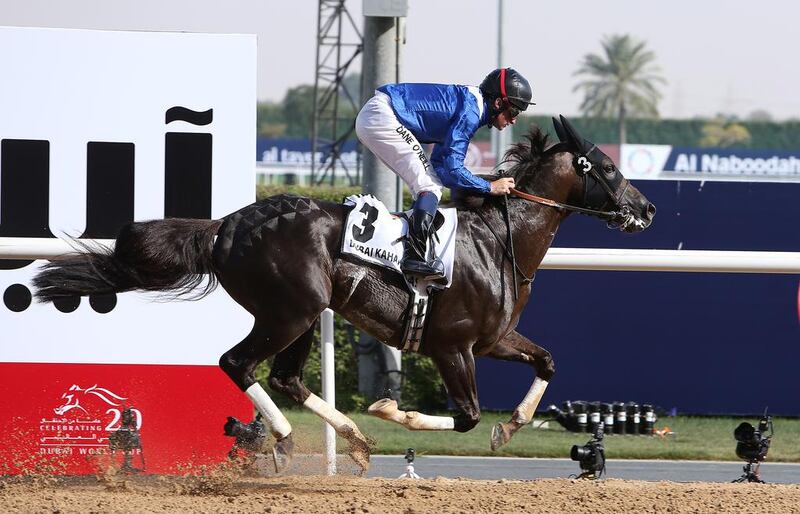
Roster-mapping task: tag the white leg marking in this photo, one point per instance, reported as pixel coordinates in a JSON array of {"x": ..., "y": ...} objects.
[
  {"x": 276, "y": 422},
  {"x": 387, "y": 409},
  {"x": 335, "y": 418},
  {"x": 527, "y": 408}
]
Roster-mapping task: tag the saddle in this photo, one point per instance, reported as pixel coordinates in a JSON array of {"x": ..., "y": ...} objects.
[{"x": 373, "y": 234}]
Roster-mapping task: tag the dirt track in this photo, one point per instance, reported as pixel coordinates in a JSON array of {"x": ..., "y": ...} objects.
[{"x": 346, "y": 494}]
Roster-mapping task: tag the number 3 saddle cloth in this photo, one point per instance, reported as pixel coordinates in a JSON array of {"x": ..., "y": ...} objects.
[{"x": 375, "y": 235}]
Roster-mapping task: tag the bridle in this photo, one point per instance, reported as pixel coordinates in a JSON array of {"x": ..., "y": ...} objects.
[{"x": 585, "y": 168}]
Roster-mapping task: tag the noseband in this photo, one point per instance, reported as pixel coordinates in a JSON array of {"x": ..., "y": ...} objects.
[{"x": 585, "y": 168}]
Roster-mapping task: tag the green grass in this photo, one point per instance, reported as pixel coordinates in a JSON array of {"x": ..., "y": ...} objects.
[{"x": 695, "y": 438}]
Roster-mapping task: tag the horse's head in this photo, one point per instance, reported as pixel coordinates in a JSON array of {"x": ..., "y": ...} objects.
[{"x": 601, "y": 187}]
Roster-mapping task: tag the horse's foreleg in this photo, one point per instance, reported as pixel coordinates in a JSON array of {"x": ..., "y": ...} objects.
[
  {"x": 516, "y": 347},
  {"x": 286, "y": 376},
  {"x": 458, "y": 372},
  {"x": 239, "y": 363}
]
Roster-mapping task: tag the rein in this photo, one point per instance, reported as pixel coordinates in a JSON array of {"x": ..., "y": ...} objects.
[
  {"x": 508, "y": 245},
  {"x": 506, "y": 253},
  {"x": 608, "y": 215}
]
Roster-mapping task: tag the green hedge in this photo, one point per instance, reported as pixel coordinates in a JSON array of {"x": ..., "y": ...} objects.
[{"x": 764, "y": 134}]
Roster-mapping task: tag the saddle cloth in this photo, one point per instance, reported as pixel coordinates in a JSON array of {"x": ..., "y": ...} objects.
[{"x": 375, "y": 235}]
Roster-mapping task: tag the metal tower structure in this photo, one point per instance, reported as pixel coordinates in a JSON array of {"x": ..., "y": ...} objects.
[{"x": 339, "y": 42}]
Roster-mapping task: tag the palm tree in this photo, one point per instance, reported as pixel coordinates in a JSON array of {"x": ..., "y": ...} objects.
[{"x": 620, "y": 83}]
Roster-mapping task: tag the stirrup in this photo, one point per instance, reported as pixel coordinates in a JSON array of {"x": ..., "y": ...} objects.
[{"x": 423, "y": 270}]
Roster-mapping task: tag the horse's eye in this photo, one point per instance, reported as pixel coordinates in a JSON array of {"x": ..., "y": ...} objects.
[{"x": 609, "y": 169}]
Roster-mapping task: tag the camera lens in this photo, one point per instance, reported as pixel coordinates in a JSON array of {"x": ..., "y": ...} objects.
[
  {"x": 570, "y": 418},
  {"x": 581, "y": 415},
  {"x": 608, "y": 417},
  {"x": 632, "y": 422},
  {"x": 648, "y": 420},
  {"x": 620, "y": 418},
  {"x": 595, "y": 420},
  {"x": 578, "y": 453},
  {"x": 745, "y": 433}
]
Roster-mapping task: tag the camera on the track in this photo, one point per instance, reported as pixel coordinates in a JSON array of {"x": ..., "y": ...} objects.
[
  {"x": 752, "y": 445},
  {"x": 250, "y": 436},
  {"x": 591, "y": 457}
]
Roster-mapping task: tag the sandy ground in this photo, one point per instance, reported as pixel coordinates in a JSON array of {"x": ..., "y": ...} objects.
[{"x": 232, "y": 492}]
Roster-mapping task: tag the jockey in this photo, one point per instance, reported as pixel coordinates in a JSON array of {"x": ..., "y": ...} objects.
[{"x": 395, "y": 123}]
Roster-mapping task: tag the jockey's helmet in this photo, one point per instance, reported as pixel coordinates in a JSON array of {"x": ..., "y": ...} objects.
[{"x": 510, "y": 86}]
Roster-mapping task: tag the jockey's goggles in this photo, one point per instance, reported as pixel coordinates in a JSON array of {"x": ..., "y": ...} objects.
[{"x": 513, "y": 112}]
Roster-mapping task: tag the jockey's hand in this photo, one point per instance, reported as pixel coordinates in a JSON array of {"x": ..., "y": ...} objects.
[{"x": 501, "y": 186}]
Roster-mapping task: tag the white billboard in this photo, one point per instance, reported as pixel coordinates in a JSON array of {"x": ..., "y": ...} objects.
[
  {"x": 666, "y": 162},
  {"x": 100, "y": 126}
]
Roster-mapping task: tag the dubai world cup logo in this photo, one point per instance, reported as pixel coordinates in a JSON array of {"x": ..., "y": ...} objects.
[{"x": 86, "y": 421}]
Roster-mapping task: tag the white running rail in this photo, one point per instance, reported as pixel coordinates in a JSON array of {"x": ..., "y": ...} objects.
[
  {"x": 328, "y": 386},
  {"x": 709, "y": 261}
]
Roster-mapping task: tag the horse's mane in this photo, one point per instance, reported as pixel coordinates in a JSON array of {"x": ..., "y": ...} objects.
[
  {"x": 526, "y": 155},
  {"x": 522, "y": 161}
]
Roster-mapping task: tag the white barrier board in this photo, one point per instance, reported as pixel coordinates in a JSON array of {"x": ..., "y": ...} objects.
[{"x": 71, "y": 98}]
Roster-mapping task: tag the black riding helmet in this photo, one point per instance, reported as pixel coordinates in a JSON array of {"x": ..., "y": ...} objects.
[{"x": 510, "y": 86}]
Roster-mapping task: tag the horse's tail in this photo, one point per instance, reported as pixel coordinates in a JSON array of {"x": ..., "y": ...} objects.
[{"x": 171, "y": 255}]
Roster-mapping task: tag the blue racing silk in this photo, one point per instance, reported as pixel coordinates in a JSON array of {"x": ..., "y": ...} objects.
[{"x": 448, "y": 116}]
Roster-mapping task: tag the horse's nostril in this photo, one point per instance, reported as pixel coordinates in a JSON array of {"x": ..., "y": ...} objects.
[{"x": 650, "y": 211}]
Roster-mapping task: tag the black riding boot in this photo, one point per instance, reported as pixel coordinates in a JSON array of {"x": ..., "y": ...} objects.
[{"x": 415, "y": 261}]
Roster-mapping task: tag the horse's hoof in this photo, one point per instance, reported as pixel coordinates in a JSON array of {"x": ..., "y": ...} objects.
[
  {"x": 501, "y": 434},
  {"x": 358, "y": 448},
  {"x": 359, "y": 451},
  {"x": 383, "y": 408},
  {"x": 282, "y": 453}
]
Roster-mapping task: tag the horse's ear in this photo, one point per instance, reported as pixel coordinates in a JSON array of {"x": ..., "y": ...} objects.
[
  {"x": 560, "y": 132},
  {"x": 573, "y": 136}
]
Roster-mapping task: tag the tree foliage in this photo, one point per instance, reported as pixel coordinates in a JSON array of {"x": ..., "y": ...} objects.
[
  {"x": 298, "y": 106},
  {"x": 688, "y": 133},
  {"x": 720, "y": 133},
  {"x": 293, "y": 116},
  {"x": 621, "y": 82},
  {"x": 270, "y": 120}
]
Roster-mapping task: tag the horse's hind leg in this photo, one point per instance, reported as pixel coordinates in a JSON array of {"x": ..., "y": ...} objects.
[
  {"x": 286, "y": 376},
  {"x": 518, "y": 348},
  {"x": 240, "y": 362},
  {"x": 457, "y": 369}
]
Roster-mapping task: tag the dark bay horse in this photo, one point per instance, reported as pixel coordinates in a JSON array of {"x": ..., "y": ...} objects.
[{"x": 280, "y": 259}]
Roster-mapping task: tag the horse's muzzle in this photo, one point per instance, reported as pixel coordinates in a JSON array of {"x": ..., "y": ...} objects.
[
  {"x": 627, "y": 221},
  {"x": 649, "y": 213}
]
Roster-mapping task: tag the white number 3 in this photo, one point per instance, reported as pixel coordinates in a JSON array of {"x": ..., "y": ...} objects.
[{"x": 583, "y": 161}]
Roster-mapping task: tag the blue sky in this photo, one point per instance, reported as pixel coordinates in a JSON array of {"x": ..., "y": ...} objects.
[{"x": 717, "y": 56}]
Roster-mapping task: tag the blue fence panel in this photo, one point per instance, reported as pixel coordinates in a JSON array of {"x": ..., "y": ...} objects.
[{"x": 708, "y": 343}]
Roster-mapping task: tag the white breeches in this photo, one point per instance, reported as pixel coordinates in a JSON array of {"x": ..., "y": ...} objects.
[{"x": 382, "y": 133}]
